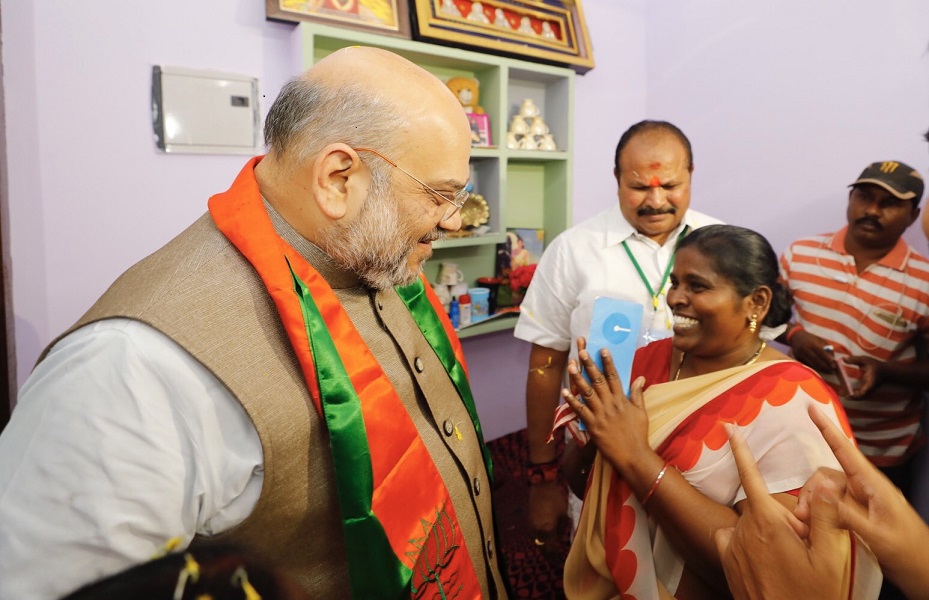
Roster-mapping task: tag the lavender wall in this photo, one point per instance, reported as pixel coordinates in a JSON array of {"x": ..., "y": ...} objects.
[
  {"x": 90, "y": 194},
  {"x": 787, "y": 102}
]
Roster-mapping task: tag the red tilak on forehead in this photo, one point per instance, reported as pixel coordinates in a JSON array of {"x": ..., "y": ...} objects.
[{"x": 654, "y": 181}]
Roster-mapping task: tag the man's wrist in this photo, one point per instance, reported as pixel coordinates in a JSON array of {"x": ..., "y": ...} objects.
[
  {"x": 792, "y": 331},
  {"x": 543, "y": 472}
]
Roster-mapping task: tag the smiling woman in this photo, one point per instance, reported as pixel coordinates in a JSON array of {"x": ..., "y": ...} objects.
[{"x": 660, "y": 454}]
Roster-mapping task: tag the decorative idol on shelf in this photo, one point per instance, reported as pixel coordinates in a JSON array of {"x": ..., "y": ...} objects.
[
  {"x": 547, "y": 142},
  {"x": 528, "y": 130},
  {"x": 528, "y": 143},
  {"x": 537, "y": 126},
  {"x": 519, "y": 126},
  {"x": 528, "y": 109}
]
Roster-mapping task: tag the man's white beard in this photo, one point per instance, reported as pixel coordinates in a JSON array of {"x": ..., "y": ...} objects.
[{"x": 377, "y": 245}]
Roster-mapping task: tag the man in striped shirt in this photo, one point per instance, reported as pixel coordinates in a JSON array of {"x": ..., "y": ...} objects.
[{"x": 861, "y": 305}]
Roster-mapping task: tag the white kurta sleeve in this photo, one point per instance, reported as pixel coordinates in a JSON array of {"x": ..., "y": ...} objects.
[{"x": 120, "y": 441}]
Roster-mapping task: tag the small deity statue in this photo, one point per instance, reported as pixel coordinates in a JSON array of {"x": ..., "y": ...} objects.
[
  {"x": 528, "y": 108},
  {"x": 538, "y": 126},
  {"x": 547, "y": 31},
  {"x": 547, "y": 142},
  {"x": 525, "y": 26},
  {"x": 519, "y": 126},
  {"x": 449, "y": 8},
  {"x": 500, "y": 19},
  {"x": 477, "y": 13},
  {"x": 528, "y": 143}
]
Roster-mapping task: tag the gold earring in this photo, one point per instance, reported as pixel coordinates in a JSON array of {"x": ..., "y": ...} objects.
[{"x": 753, "y": 324}]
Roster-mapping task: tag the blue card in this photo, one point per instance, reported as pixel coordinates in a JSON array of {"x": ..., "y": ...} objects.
[{"x": 616, "y": 326}]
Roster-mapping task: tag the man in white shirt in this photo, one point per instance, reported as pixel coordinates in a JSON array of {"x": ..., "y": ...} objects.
[{"x": 626, "y": 252}]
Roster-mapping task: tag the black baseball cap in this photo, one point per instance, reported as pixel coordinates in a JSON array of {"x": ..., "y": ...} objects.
[{"x": 901, "y": 180}]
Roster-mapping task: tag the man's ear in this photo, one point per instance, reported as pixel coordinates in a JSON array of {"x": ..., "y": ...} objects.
[{"x": 337, "y": 170}]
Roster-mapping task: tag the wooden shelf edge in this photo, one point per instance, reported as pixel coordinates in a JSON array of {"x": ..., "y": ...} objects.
[
  {"x": 501, "y": 323},
  {"x": 474, "y": 240}
]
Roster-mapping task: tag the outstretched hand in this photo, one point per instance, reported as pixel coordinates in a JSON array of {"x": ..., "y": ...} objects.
[
  {"x": 871, "y": 506},
  {"x": 617, "y": 424},
  {"x": 764, "y": 557}
]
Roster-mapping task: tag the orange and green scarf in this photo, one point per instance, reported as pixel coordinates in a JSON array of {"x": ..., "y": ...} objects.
[{"x": 402, "y": 535}]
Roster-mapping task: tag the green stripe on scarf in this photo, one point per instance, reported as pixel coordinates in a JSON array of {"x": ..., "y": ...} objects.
[
  {"x": 414, "y": 296},
  {"x": 374, "y": 569}
]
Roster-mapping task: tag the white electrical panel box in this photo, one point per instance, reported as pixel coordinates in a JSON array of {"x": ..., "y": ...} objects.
[{"x": 204, "y": 112}]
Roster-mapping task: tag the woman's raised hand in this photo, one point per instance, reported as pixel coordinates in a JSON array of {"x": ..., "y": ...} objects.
[{"x": 617, "y": 424}]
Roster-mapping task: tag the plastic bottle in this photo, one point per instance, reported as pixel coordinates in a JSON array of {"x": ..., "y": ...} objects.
[
  {"x": 453, "y": 313},
  {"x": 464, "y": 309}
]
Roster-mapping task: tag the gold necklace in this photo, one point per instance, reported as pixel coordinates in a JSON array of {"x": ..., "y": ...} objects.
[{"x": 751, "y": 359}]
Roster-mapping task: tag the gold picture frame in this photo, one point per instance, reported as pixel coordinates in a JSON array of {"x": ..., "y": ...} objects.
[
  {"x": 548, "y": 31},
  {"x": 387, "y": 17}
]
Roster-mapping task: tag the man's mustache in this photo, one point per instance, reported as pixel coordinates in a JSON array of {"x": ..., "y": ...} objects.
[
  {"x": 434, "y": 236},
  {"x": 877, "y": 224},
  {"x": 647, "y": 211}
]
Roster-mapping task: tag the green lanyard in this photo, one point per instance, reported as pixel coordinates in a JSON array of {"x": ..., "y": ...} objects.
[{"x": 667, "y": 272}]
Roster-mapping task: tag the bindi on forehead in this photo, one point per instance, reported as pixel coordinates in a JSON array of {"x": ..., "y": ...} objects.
[{"x": 654, "y": 182}]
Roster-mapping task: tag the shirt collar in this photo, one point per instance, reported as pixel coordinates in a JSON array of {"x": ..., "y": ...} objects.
[
  {"x": 337, "y": 276},
  {"x": 618, "y": 229},
  {"x": 895, "y": 259}
]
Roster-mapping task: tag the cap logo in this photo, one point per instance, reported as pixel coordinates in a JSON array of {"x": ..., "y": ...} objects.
[{"x": 889, "y": 166}]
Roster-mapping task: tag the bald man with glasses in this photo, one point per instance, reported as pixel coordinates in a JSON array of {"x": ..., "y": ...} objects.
[{"x": 278, "y": 376}]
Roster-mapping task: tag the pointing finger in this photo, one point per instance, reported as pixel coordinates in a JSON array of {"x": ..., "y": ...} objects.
[{"x": 752, "y": 482}]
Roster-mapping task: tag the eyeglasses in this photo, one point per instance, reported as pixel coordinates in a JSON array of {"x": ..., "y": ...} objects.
[{"x": 457, "y": 201}]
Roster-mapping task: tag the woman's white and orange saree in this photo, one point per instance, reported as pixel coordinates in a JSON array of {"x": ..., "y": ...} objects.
[{"x": 619, "y": 552}]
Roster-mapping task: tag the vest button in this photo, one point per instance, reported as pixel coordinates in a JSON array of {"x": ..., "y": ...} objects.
[
  {"x": 477, "y": 486},
  {"x": 490, "y": 548},
  {"x": 448, "y": 427},
  {"x": 418, "y": 365}
]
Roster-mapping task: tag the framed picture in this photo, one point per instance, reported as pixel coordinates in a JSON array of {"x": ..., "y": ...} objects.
[
  {"x": 480, "y": 129},
  {"x": 388, "y": 17},
  {"x": 517, "y": 258},
  {"x": 548, "y": 31}
]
